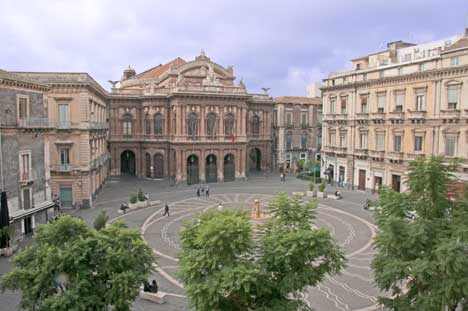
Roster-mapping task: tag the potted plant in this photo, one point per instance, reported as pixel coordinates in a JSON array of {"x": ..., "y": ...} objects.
[
  {"x": 321, "y": 190},
  {"x": 311, "y": 193},
  {"x": 133, "y": 201},
  {"x": 141, "y": 198}
]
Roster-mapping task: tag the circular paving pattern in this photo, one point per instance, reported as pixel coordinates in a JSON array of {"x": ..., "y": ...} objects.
[{"x": 352, "y": 290}]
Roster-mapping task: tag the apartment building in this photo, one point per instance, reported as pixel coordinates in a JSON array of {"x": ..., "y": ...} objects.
[
  {"x": 24, "y": 152},
  {"x": 77, "y": 114},
  {"x": 407, "y": 101},
  {"x": 297, "y": 130}
]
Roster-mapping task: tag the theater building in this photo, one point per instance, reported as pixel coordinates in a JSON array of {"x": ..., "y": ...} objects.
[{"x": 188, "y": 121}]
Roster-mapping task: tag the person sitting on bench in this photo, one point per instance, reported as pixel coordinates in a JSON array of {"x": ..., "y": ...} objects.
[
  {"x": 338, "y": 194},
  {"x": 150, "y": 288}
]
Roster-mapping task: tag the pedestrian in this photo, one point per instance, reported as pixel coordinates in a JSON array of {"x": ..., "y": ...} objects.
[
  {"x": 198, "y": 192},
  {"x": 166, "y": 210},
  {"x": 202, "y": 190},
  {"x": 281, "y": 177},
  {"x": 284, "y": 177},
  {"x": 207, "y": 191},
  {"x": 220, "y": 207},
  {"x": 147, "y": 199}
]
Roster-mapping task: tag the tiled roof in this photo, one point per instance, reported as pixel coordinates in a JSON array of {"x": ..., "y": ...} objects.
[
  {"x": 462, "y": 43},
  {"x": 159, "y": 70},
  {"x": 6, "y": 75},
  {"x": 297, "y": 100}
]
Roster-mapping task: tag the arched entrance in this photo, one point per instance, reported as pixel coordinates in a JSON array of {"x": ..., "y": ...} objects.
[
  {"x": 255, "y": 157},
  {"x": 158, "y": 165},
  {"x": 211, "y": 169},
  {"x": 192, "y": 170},
  {"x": 148, "y": 165},
  {"x": 229, "y": 168},
  {"x": 127, "y": 163}
]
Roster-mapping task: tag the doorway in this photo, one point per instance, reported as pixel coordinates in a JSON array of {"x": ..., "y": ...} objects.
[
  {"x": 127, "y": 163},
  {"x": 158, "y": 165},
  {"x": 211, "y": 169},
  {"x": 192, "y": 170},
  {"x": 362, "y": 180},
  {"x": 229, "y": 168},
  {"x": 255, "y": 157},
  {"x": 396, "y": 183}
]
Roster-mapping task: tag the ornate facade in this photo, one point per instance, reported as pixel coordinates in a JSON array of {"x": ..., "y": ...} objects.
[
  {"x": 190, "y": 122},
  {"x": 395, "y": 105}
]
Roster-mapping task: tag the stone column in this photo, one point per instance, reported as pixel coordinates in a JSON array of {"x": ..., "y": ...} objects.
[
  {"x": 220, "y": 165},
  {"x": 202, "y": 165}
]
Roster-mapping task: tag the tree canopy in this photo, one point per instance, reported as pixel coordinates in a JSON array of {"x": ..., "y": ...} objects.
[
  {"x": 70, "y": 266},
  {"x": 228, "y": 264},
  {"x": 423, "y": 262}
]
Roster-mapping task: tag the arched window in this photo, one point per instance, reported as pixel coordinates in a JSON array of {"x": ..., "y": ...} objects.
[
  {"x": 211, "y": 124},
  {"x": 192, "y": 125},
  {"x": 288, "y": 141},
  {"x": 304, "y": 137},
  {"x": 147, "y": 125},
  {"x": 255, "y": 125},
  {"x": 228, "y": 124},
  {"x": 127, "y": 124},
  {"x": 158, "y": 124}
]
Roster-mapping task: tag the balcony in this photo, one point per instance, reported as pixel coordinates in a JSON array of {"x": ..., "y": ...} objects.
[
  {"x": 34, "y": 123},
  {"x": 362, "y": 117},
  {"x": 62, "y": 168},
  {"x": 25, "y": 177},
  {"x": 328, "y": 118},
  {"x": 63, "y": 125},
  {"x": 341, "y": 118},
  {"x": 340, "y": 150},
  {"x": 413, "y": 156},
  {"x": 396, "y": 116},
  {"x": 361, "y": 152},
  {"x": 98, "y": 125},
  {"x": 395, "y": 156},
  {"x": 417, "y": 116},
  {"x": 450, "y": 115},
  {"x": 377, "y": 154},
  {"x": 377, "y": 117}
]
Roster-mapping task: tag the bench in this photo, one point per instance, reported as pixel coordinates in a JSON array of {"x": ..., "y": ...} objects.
[
  {"x": 334, "y": 197},
  {"x": 159, "y": 297},
  {"x": 301, "y": 194}
]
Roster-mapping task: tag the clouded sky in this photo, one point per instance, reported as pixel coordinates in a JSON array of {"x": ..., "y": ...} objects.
[{"x": 283, "y": 45}]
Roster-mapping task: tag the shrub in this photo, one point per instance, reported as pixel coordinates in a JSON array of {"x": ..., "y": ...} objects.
[
  {"x": 133, "y": 198},
  {"x": 322, "y": 186},
  {"x": 101, "y": 220},
  {"x": 311, "y": 186},
  {"x": 141, "y": 195}
]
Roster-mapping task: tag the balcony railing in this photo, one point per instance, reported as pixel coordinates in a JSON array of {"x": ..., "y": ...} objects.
[
  {"x": 395, "y": 155},
  {"x": 362, "y": 116},
  {"x": 63, "y": 125},
  {"x": 341, "y": 117},
  {"x": 62, "y": 168},
  {"x": 377, "y": 116},
  {"x": 413, "y": 156},
  {"x": 361, "y": 152},
  {"x": 450, "y": 114},
  {"x": 416, "y": 114},
  {"x": 396, "y": 115},
  {"x": 340, "y": 150},
  {"x": 98, "y": 125},
  {"x": 34, "y": 123},
  {"x": 25, "y": 176},
  {"x": 377, "y": 154}
]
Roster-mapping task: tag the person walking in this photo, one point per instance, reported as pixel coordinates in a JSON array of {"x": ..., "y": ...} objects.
[
  {"x": 202, "y": 189},
  {"x": 147, "y": 199},
  {"x": 198, "y": 192},
  {"x": 166, "y": 210},
  {"x": 207, "y": 191}
]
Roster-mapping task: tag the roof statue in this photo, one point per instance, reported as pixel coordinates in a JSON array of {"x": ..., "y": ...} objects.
[
  {"x": 241, "y": 84},
  {"x": 265, "y": 90}
]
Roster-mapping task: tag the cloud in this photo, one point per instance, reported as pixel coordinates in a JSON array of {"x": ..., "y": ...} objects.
[{"x": 277, "y": 44}]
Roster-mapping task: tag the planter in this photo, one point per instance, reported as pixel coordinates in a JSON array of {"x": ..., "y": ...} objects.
[
  {"x": 322, "y": 195},
  {"x": 311, "y": 193},
  {"x": 6, "y": 251},
  {"x": 136, "y": 205}
]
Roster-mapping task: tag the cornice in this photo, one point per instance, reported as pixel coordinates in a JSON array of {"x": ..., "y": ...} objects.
[{"x": 25, "y": 85}]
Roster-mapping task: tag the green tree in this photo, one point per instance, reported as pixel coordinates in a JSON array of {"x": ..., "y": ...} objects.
[
  {"x": 101, "y": 220},
  {"x": 227, "y": 264},
  {"x": 70, "y": 266},
  {"x": 423, "y": 263}
]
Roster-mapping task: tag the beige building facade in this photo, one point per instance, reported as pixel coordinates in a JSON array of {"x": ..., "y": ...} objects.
[
  {"x": 297, "y": 130},
  {"x": 393, "y": 106},
  {"x": 77, "y": 114},
  {"x": 188, "y": 121}
]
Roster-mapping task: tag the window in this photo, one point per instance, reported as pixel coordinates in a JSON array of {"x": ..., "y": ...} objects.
[
  {"x": 275, "y": 117},
  {"x": 192, "y": 125},
  {"x": 304, "y": 118},
  {"x": 342, "y": 140},
  {"x": 333, "y": 82},
  {"x": 255, "y": 125},
  {"x": 158, "y": 124},
  {"x": 288, "y": 118},
  {"x": 379, "y": 141},
  {"x": 450, "y": 145},
  {"x": 303, "y": 156},
  {"x": 397, "y": 143},
  {"x": 211, "y": 124},
  {"x": 454, "y": 61},
  {"x": 399, "y": 100},
  {"x": 364, "y": 77},
  {"x": 147, "y": 125},
  {"x": 344, "y": 101},
  {"x": 332, "y": 105},
  {"x": 127, "y": 124},
  {"x": 421, "y": 67},
  {"x": 25, "y": 166},
  {"x": 418, "y": 143},
  {"x": 453, "y": 94},
  {"x": 363, "y": 141},
  {"x": 63, "y": 116},
  {"x": 420, "y": 97},
  {"x": 332, "y": 138},
  {"x": 288, "y": 140},
  {"x": 304, "y": 137},
  {"x": 228, "y": 124},
  {"x": 358, "y": 66},
  {"x": 400, "y": 71},
  {"x": 363, "y": 104},
  {"x": 23, "y": 107},
  {"x": 380, "y": 103},
  {"x": 64, "y": 156}
]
